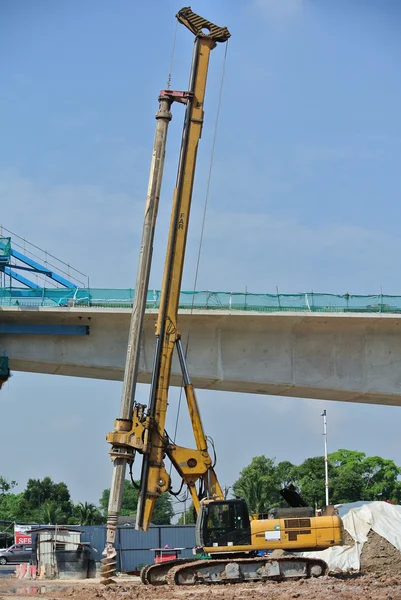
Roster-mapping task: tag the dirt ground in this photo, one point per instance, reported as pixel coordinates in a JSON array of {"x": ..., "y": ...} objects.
[
  {"x": 365, "y": 587},
  {"x": 380, "y": 557},
  {"x": 380, "y": 579}
]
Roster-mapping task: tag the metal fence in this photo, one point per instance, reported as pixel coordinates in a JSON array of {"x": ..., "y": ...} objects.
[
  {"x": 202, "y": 300},
  {"x": 134, "y": 547}
]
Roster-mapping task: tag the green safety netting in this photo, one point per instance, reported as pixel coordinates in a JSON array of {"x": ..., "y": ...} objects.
[
  {"x": 123, "y": 298},
  {"x": 5, "y": 249}
]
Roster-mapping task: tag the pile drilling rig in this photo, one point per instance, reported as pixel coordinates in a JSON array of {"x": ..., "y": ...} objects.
[{"x": 225, "y": 532}]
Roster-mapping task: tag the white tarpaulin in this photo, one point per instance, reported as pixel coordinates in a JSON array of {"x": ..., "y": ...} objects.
[{"x": 383, "y": 518}]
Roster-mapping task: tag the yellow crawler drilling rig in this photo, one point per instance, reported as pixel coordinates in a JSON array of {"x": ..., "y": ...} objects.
[{"x": 231, "y": 539}]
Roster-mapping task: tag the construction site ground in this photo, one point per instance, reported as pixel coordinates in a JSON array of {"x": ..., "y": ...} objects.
[
  {"x": 345, "y": 587},
  {"x": 380, "y": 579}
]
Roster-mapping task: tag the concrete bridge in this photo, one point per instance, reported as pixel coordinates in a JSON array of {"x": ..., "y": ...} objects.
[{"x": 349, "y": 357}]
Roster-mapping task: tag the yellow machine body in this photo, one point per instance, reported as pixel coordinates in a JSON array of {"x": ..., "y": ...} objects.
[{"x": 296, "y": 535}]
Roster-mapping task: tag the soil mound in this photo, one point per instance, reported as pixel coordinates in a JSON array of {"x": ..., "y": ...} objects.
[{"x": 379, "y": 557}]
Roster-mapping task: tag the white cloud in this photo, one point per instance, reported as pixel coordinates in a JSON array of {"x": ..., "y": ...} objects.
[
  {"x": 98, "y": 232},
  {"x": 92, "y": 229},
  {"x": 261, "y": 250}
]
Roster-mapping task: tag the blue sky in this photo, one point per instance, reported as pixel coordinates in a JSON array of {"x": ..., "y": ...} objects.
[{"x": 304, "y": 193}]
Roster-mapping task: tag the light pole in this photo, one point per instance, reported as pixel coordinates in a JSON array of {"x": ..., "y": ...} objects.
[{"x": 326, "y": 464}]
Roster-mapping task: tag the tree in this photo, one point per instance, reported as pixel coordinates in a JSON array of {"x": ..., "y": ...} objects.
[
  {"x": 87, "y": 514},
  {"x": 352, "y": 476},
  {"x": 309, "y": 478},
  {"x": 12, "y": 507},
  {"x": 380, "y": 479},
  {"x": 51, "y": 514},
  {"x": 188, "y": 517},
  {"x": 9, "y": 503},
  {"x": 163, "y": 510},
  {"x": 259, "y": 484},
  {"x": 6, "y": 486},
  {"x": 358, "y": 477},
  {"x": 38, "y": 492},
  {"x": 285, "y": 472},
  {"x": 348, "y": 459}
]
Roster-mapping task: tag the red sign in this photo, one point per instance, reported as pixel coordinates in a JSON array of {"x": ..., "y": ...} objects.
[{"x": 20, "y": 534}]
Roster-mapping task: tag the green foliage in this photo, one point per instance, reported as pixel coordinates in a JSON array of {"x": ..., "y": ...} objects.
[
  {"x": 348, "y": 459},
  {"x": 309, "y": 478},
  {"x": 379, "y": 478},
  {"x": 6, "y": 486},
  {"x": 345, "y": 486},
  {"x": 11, "y": 507},
  {"x": 162, "y": 513},
  {"x": 352, "y": 476},
  {"x": 372, "y": 477},
  {"x": 44, "y": 501},
  {"x": 285, "y": 473},
  {"x": 260, "y": 482},
  {"x": 8, "y": 504},
  {"x": 51, "y": 514},
  {"x": 39, "y": 492},
  {"x": 188, "y": 517},
  {"x": 86, "y": 514}
]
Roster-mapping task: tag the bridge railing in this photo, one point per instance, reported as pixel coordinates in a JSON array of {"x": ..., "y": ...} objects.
[{"x": 206, "y": 300}]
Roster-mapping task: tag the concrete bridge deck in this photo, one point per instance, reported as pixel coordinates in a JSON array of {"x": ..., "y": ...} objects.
[{"x": 334, "y": 356}]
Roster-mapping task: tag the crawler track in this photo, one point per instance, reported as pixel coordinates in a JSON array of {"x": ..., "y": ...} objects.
[
  {"x": 211, "y": 572},
  {"x": 157, "y": 574}
]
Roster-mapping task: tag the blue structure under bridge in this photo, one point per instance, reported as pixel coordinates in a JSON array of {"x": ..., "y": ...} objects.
[
  {"x": 23, "y": 263},
  {"x": 25, "y": 269}
]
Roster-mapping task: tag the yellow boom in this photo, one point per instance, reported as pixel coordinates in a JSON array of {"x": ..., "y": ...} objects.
[{"x": 145, "y": 432}]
